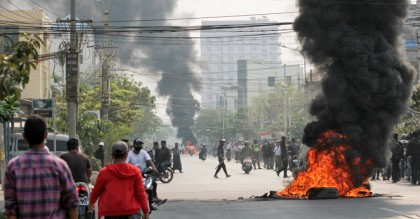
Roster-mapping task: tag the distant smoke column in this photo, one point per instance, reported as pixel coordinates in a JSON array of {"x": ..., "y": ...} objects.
[
  {"x": 366, "y": 81},
  {"x": 175, "y": 59}
]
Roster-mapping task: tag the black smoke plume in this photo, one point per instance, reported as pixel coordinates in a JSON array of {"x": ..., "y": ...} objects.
[
  {"x": 173, "y": 58},
  {"x": 366, "y": 80},
  {"x": 175, "y": 62}
]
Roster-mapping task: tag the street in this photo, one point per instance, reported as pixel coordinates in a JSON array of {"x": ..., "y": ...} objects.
[{"x": 196, "y": 194}]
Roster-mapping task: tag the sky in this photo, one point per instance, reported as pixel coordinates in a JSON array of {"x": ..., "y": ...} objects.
[{"x": 277, "y": 10}]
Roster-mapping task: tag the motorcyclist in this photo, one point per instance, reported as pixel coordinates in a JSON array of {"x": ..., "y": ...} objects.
[
  {"x": 203, "y": 153},
  {"x": 165, "y": 156},
  {"x": 141, "y": 159},
  {"x": 247, "y": 151}
]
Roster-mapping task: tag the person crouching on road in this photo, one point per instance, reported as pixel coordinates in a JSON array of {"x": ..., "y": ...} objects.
[{"x": 123, "y": 179}]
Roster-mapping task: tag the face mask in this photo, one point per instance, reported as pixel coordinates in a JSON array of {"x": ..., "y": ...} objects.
[{"x": 137, "y": 148}]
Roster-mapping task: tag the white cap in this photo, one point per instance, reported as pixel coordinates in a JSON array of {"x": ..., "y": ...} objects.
[{"x": 101, "y": 144}]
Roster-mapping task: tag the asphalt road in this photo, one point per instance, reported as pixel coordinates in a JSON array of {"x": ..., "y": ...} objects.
[{"x": 196, "y": 194}]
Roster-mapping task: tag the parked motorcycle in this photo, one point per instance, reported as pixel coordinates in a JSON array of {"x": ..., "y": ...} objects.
[
  {"x": 247, "y": 165},
  {"x": 83, "y": 196}
]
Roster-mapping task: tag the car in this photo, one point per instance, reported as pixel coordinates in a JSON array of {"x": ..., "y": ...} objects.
[{"x": 19, "y": 144}]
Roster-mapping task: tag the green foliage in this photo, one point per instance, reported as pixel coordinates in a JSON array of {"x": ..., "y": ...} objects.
[
  {"x": 267, "y": 111},
  {"x": 95, "y": 163},
  {"x": 411, "y": 120},
  {"x": 131, "y": 110},
  {"x": 7, "y": 108},
  {"x": 209, "y": 125},
  {"x": 15, "y": 69}
]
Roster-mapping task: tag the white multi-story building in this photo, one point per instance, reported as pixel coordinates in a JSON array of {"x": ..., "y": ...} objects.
[{"x": 223, "y": 43}]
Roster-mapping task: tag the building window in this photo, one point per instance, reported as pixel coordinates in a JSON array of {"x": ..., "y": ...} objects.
[
  {"x": 9, "y": 37},
  {"x": 271, "y": 81},
  {"x": 289, "y": 80}
]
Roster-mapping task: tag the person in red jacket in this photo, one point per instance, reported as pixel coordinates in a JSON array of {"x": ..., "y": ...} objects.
[{"x": 123, "y": 179}]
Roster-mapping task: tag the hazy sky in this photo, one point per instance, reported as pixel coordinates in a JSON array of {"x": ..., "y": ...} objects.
[{"x": 278, "y": 10}]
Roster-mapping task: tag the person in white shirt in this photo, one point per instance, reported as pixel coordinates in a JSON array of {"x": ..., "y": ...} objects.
[
  {"x": 140, "y": 158},
  {"x": 277, "y": 157}
]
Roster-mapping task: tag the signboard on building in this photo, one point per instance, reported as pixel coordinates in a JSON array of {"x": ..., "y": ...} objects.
[
  {"x": 265, "y": 135},
  {"x": 43, "y": 107}
]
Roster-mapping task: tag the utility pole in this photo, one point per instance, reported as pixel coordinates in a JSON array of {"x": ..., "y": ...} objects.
[
  {"x": 105, "y": 74},
  {"x": 72, "y": 74}
]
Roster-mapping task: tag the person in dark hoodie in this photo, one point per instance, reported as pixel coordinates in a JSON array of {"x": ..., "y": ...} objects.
[{"x": 111, "y": 179}]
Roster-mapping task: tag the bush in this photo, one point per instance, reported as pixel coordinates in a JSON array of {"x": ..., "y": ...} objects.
[{"x": 95, "y": 163}]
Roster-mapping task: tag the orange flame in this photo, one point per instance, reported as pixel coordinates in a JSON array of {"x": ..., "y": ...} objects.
[{"x": 328, "y": 166}]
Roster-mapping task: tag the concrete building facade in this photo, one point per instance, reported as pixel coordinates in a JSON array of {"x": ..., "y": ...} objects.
[
  {"x": 30, "y": 21},
  {"x": 226, "y": 43}
]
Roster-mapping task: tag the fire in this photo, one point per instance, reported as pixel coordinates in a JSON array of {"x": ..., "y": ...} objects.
[{"x": 331, "y": 163}]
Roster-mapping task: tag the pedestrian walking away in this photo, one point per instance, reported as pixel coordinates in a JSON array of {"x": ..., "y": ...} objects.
[
  {"x": 78, "y": 162},
  {"x": 221, "y": 158},
  {"x": 123, "y": 179},
  {"x": 38, "y": 184}
]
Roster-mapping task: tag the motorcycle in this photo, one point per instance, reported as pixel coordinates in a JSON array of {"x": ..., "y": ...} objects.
[
  {"x": 247, "y": 165},
  {"x": 83, "y": 197},
  {"x": 148, "y": 185},
  {"x": 202, "y": 155},
  {"x": 165, "y": 172},
  {"x": 294, "y": 164}
]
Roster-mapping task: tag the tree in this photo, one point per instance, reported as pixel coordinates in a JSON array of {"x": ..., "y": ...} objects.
[
  {"x": 410, "y": 121},
  {"x": 15, "y": 69},
  {"x": 268, "y": 111},
  {"x": 130, "y": 104}
]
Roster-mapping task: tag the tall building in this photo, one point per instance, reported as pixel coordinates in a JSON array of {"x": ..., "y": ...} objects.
[
  {"x": 412, "y": 37},
  {"x": 223, "y": 43},
  {"x": 30, "y": 21}
]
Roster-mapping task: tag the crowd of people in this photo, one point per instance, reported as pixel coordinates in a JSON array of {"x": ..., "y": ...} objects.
[
  {"x": 40, "y": 185},
  {"x": 273, "y": 154},
  {"x": 404, "y": 163}
]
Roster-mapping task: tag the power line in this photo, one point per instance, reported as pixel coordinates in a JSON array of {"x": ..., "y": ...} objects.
[
  {"x": 46, "y": 9},
  {"x": 23, "y": 11}
]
